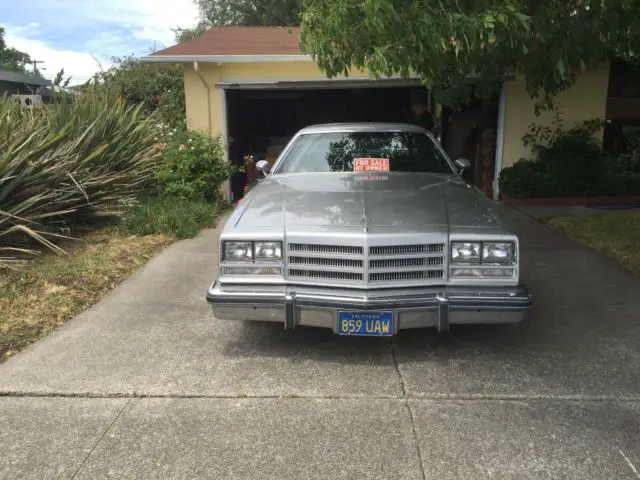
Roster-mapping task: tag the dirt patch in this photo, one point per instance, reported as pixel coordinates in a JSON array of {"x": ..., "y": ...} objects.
[{"x": 51, "y": 290}]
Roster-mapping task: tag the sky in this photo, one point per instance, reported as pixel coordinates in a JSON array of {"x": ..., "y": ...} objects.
[{"x": 82, "y": 36}]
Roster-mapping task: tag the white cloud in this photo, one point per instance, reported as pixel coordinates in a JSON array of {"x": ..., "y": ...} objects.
[
  {"x": 149, "y": 19},
  {"x": 129, "y": 22},
  {"x": 159, "y": 17},
  {"x": 80, "y": 65}
]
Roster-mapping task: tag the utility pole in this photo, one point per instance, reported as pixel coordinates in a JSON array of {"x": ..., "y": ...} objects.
[
  {"x": 35, "y": 72},
  {"x": 35, "y": 67}
]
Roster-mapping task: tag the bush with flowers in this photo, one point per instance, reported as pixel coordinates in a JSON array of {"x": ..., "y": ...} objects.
[{"x": 194, "y": 166}]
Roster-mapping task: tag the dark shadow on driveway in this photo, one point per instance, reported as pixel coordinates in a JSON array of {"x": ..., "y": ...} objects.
[{"x": 271, "y": 340}]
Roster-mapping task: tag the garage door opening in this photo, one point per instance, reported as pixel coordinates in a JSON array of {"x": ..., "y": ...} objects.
[
  {"x": 471, "y": 132},
  {"x": 260, "y": 121}
]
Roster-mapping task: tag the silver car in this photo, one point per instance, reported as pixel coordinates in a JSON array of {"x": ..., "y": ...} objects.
[{"x": 367, "y": 229}]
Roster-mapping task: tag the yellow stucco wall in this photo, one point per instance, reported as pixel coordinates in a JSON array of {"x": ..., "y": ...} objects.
[
  {"x": 196, "y": 92},
  {"x": 586, "y": 100}
]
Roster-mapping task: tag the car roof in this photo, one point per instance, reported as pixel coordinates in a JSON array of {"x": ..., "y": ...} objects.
[{"x": 361, "y": 127}]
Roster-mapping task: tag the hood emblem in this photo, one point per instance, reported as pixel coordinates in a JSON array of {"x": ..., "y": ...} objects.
[{"x": 365, "y": 223}]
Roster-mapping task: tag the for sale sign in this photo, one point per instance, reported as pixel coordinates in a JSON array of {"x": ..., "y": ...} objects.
[{"x": 370, "y": 164}]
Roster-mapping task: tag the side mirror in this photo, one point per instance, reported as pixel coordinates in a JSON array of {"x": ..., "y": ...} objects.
[
  {"x": 263, "y": 167},
  {"x": 462, "y": 164}
]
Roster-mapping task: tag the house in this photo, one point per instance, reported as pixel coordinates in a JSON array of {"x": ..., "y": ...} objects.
[
  {"x": 254, "y": 86},
  {"x": 18, "y": 83}
]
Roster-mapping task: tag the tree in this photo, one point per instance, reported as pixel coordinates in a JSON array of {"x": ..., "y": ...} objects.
[
  {"x": 184, "y": 34},
  {"x": 448, "y": 42},
  {"x": 252, "y": 13},
  {"x": 159, "y": 85},
  {"x": 10, "y": 58}
]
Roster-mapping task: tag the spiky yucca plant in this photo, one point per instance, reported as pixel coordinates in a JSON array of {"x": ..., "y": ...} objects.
[{"x": 68, "y": 162}]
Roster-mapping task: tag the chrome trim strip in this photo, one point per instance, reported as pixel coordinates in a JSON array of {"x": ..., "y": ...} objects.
[
  {"x": 289, "y": 310},
  {"x": 505, "y": 298},
  {"x": 443, "y": 312}
]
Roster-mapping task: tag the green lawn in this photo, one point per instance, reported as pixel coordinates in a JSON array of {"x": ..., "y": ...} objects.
[{"x": 615, "y": 235}]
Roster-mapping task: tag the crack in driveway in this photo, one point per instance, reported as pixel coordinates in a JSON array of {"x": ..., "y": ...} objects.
[
  {"x": 414, "y": 431},
  {"x": 408, "y": 396},
  {"x": 106, "y": 430}
]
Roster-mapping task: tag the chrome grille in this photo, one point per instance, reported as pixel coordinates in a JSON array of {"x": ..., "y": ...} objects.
[
  {"x": 335, "y": 264},
  {"x": 323, "y": 274},
  {"x": 413, "y": 275},
  {"x": 406, "y": 249},
  {"x": 410, "y": 264},
  {"x": 330, "y": 249},
  {"x": 326, "y": 262},
  {"x": 406, "y": 262}
]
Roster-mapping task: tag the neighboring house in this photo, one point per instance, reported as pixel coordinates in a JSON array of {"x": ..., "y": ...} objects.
[
  {"x": 18, "y": 83},
  {"x": 254, "y": 87}
]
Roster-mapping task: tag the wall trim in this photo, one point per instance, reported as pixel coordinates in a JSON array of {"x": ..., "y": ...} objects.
[
  {"x": 225, "y": 137},
  {"x": 319, "y": 82},
  {"x": 502, "y": 107},
  {"x": 226, "y": 58}
]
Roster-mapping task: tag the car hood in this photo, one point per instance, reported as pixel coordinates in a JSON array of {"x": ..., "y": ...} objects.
[{"x": 399, "y": 200}]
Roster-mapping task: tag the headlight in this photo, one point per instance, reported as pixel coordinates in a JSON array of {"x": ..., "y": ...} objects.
[
  {"x": 497, "y": 252},
  {"x": 465, "y": 251},
  {"x": 238, "y": 251},
  {"x": 268, "y": 250},
  {"x": 496, "y": 260},
  {"x": 261, "y": 258}
]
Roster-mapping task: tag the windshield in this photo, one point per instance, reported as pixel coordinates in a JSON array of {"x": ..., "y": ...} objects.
[{"x": 364, "y": 151}]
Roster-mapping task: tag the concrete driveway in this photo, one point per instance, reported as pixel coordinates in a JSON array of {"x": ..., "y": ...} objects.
[{"x": 148, "y": 384}]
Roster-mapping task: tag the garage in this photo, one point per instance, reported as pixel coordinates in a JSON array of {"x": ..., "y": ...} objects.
[
  {"x": 262, "y": 118},
  {"x": 254, "y": 88}
]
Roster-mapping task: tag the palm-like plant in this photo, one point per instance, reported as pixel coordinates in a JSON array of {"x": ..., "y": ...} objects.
[{"x": 67, "y": 162}]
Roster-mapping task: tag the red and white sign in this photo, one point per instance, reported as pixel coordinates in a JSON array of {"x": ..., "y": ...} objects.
[{"x": 370, "y": 164}]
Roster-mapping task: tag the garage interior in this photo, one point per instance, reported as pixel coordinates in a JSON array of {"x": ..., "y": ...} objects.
[{"x": 262, "y": 118}]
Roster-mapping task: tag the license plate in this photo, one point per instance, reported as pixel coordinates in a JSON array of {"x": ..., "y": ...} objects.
[{"x": 367, "y": 324}]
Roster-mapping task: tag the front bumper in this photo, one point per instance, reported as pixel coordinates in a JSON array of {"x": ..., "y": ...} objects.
[{"x": 295, "y": 305}]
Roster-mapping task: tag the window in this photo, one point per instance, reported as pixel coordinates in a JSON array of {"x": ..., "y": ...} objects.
[{"x": 336, "y": 151}]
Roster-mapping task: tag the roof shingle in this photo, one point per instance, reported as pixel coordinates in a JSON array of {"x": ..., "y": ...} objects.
[{"x": 240, "y": 41}]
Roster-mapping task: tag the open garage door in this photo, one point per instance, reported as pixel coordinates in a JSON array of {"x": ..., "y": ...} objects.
[{"x": 263, "y": 116}]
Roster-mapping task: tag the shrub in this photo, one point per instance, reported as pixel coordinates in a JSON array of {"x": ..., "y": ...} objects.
[
  {"x": 521, "y": 180},
  {"x": 68, "y": 162},
  {"x": 567, "y": 164},
  {"x": 194, "y": 166},
  {"x": 173, "y": 216},
  {"x": 158, "y": 86}
]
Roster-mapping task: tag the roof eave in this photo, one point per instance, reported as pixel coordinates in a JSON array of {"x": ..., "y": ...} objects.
[
  {"x": 226, "y": 58},
  {"x": 19, "y": 77}
]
